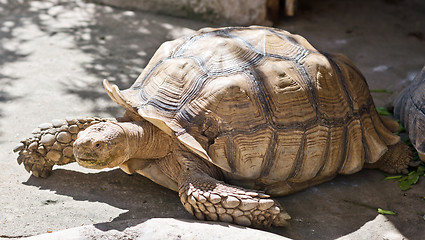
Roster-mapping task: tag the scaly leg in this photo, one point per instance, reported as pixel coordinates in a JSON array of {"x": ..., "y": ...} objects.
[
  {"x": 210, "y": 199},
  {"x": 52, "y": 144},
  {"x": 395, "y": 160}
]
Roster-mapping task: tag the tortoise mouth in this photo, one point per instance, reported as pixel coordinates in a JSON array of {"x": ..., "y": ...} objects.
[{"x": 91, "y": 163}]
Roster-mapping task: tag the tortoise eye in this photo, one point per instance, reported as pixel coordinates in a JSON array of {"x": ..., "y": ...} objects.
[{"x": 97, "y": 145}]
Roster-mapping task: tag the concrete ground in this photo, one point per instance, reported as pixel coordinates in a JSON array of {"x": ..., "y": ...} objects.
[{"x": 54, "y": 55}]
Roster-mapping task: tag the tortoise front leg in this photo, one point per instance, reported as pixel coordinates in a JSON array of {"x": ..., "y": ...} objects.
[
  {"x": 209, "y": 199},
  {"x": 52, "y": 144}
]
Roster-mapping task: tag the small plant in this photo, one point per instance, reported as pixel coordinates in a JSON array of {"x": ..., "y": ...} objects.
[{"x": 416, "y": 169}]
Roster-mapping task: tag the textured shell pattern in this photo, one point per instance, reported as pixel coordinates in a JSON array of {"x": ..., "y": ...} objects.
[
  {"x": 263, "y": 105},
  {"x": 409, "y": 107}
]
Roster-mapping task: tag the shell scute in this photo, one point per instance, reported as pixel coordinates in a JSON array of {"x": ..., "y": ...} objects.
[
  {"x": 311, "y": 158},
  {"x": 285, "y": 88}
]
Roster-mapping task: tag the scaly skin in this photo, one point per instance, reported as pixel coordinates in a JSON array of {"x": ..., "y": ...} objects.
[
  {"x": 52, "y": 144},
  {"x": 207, "y": 198},
  {"x": 395, "y": 160}
]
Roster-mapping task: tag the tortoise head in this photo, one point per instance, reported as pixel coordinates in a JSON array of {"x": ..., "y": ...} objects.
[{"x": 101, "y": 145}]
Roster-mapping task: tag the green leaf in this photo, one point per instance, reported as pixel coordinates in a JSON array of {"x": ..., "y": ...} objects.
[
  {"x": 383, "y": 111},
  {"x": 413, "y": 179},
  {"x": 404, "y": 185},
  {"x": 400, "y": 129},
  {"x": 386, "y": 212},
  {"x": 393, "y": 177},
  {"x": 403, "y": 179}
]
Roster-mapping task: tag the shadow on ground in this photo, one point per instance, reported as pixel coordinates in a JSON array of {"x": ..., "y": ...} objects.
[
  {"x": 120, "y": 43},
  {"x": 11, "y": 15},
  {"x": 134, "y": 193},
  {"x": 328, "y": 211}
]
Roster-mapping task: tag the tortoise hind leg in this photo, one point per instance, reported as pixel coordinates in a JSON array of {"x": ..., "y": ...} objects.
[
  {"x": 51, "y": 144},
  {"x": 209, "y": 199},
  {"x": 395, "y": 160}
]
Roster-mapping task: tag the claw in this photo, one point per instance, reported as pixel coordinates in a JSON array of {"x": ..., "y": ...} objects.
[
  {"x": 19, "y": 147},
  {"x": 282, "y": 220},
  {"x": 232, "y": 204},
  {"x": 414, "y": 163},
  {"x": 28, "y": 167},
  {"x": 35, "y": 173},
  {"x": 20, "y": 159}
]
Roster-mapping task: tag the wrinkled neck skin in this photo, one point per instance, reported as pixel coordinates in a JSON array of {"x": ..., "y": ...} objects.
[{"x": 145, "y": 141}]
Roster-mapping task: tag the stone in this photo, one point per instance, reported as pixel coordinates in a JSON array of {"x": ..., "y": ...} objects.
[{"x": 163, "y": 228}]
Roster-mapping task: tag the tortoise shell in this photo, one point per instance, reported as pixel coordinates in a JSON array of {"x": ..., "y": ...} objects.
[
  {"x": 409, "y": 107},
  {"x": 261, "y": 104}
]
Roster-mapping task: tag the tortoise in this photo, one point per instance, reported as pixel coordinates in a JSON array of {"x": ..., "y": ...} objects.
[
  {"x": 229, "y": 117},
  {"x": 409, "y": 107}
]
